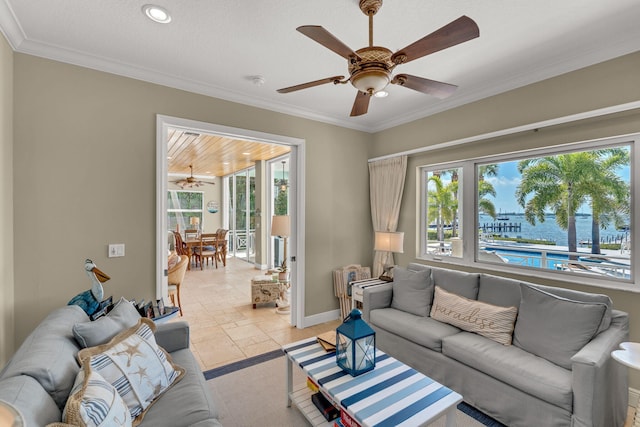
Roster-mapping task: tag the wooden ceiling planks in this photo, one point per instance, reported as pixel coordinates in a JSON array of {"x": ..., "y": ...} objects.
[{"x": 215, "y": 155}]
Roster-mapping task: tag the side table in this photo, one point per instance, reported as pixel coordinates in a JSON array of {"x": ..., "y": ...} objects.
[
  {"x": 629, "y": 355},
  {"x": 357, "y": 288}
]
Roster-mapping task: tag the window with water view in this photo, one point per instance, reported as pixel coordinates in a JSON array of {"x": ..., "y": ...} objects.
[{"x": 566, "y": 212}]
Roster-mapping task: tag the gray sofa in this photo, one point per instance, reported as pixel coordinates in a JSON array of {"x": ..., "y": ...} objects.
[
  {"x": 556, "y": 372},
  {"x": 39, "y": 377}
]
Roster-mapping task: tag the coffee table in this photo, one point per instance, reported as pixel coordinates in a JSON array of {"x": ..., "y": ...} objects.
[{"x": 393, "y": 394}]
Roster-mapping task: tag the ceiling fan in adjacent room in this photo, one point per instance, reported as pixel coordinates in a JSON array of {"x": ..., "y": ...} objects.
[
  {"x": 190, "y": 181},
  {"x": 370, "y": 68}
]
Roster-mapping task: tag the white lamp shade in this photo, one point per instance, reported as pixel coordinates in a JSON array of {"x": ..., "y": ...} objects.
[
  {"x": 389, "y": 241},
  {"x": 281, "y": 225}
]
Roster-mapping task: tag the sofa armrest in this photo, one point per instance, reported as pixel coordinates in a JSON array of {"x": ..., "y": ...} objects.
[
  {"x": 600, "y": 389},
  {"x": 376, "y": 297},
  {"x": 173, "y": 336}
]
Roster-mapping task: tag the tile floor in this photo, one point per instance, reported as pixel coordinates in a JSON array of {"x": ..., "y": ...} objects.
[{"x": 224, "y": 326}]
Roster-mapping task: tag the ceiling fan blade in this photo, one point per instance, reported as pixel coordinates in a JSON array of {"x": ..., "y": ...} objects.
[
  {"x": 311, "y": 84},
  {"x": 430, "y": 87},
  {"x": 328, "y": 40},
  {"x": 361, "y": 104},
  {"x": 455, "y": 32}
]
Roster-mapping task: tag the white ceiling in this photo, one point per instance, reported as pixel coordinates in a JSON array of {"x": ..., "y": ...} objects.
[{"x": 213, "y": 47}]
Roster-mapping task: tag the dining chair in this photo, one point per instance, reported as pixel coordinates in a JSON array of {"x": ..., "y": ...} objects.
[
  {"x": 181, "y": 247},
  {"x": 221, "y": 246},
  {"x": 207, "y": 249},
  {"x": 175, "y": 276}
]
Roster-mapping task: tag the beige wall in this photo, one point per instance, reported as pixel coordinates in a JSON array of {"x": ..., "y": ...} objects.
[
  {"x": 6, "y": 201},
  {"x": 82, "y": 138},
  {"x": 607, "y": 84}
]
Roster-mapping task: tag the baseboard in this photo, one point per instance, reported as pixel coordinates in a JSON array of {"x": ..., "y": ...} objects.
[{"x": 316, "y": 319}]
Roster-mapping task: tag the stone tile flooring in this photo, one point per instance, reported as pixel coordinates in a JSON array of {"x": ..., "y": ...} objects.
[{"x": 224, "y": 326}]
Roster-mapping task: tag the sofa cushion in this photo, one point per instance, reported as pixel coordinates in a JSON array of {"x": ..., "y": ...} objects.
[
  {"x": 139, "y": 369},
  {"x": 48, "y": 354},
  {"x": 191, "y": 395},
  {"x": 123, "y": 316},
  {"x": 488, "y": 320},
  {"x": 583, "y": 296},
  {"x": 498, "y": 290},
  {"x": 553, "y": 327},
  {"x": 514, "y": 366},
  {"x": 457, "y": 282},
  {"x": 421, "y": 330},
  {"x": 94, "y": 402},
  {"x": 33, "y": 402},
  {"x": 412, "y": 291}
]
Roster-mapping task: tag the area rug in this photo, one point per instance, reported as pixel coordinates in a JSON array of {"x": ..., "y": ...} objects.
[{"x": 252, "y": 392}]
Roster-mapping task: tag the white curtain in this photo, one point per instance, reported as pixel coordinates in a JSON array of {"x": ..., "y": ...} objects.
[{"x": 386, "y": 184}]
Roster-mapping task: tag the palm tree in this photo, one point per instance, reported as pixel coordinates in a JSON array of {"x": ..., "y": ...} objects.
[
  {"x": 485, "y": 188},
  {"x": 554, "y": 182},
  {"x": 608, "y": 194},
  {"x": 442, "y": 204}
]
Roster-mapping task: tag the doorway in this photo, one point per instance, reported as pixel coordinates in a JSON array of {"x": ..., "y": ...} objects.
[{"x": 164, "y": 125}]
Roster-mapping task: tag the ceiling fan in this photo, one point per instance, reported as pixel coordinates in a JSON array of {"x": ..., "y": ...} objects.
[
  {"x": 370, "y": 68},
  {"x": 190, "y": 181}
]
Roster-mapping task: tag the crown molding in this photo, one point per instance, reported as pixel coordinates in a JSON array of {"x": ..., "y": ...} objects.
[{"x": 577, "y": 59}]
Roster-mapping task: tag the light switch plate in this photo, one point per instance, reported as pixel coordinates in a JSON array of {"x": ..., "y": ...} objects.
[{"x": 116, "y": 250}]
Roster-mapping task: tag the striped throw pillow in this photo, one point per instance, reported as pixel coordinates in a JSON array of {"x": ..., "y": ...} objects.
[
  {"x": 491, "y": 321},
  {"x": 135, "y": 365},
  {"x": 94, "y": 402}
]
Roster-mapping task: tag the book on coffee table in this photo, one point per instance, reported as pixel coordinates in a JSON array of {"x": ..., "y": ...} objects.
[{"x": 328, "y": 340}]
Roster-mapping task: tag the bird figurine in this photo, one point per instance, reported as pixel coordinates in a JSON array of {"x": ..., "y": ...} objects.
[{"x": 89, "y": 300}]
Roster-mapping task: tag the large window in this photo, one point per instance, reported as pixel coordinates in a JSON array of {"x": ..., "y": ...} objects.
[
  {"x": 559, "y": 212},
  {"x": 184, "y": 209}
]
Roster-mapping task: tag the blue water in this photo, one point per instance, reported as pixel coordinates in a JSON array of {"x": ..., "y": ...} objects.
[{"x": 549, "y": 230}]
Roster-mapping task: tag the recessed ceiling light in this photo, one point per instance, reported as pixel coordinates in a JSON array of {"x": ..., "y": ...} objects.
[
  {"x": 246, "y": 154},
  {"x": 156, "y": 13}
]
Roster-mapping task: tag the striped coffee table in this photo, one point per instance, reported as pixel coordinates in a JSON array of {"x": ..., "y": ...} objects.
[{"x": 393, "y": 394}]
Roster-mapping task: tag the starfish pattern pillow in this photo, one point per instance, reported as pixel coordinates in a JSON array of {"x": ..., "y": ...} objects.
[{"x": 135, "y": 365}]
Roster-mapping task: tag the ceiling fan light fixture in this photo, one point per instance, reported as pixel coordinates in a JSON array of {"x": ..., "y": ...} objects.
[
  {"x": 156, "y": 13},
  {"x": 381, "y": 94},
  {"x": 370, "y": 81}
]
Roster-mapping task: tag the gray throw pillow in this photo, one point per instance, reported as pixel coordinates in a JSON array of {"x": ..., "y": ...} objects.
[
  {"x": 90, "y": 334},
  {"x": 412, "y": 291},
  {"x": 553, "y": 327},
  {"x": 457, "y": 282}
]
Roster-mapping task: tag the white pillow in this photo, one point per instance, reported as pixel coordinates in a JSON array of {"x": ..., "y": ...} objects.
[
  {"x": 135, "y": 365},
  {"x": 491, "y": 321},
  {"x": 94, "y": 402}
]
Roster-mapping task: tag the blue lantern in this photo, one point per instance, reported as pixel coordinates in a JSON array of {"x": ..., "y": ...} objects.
[{"x": 355, "y": 345}]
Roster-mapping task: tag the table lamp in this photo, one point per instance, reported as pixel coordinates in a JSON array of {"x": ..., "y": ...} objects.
[
  {"x": 10, "y": 416},
  {"x": 388, "y": 241}
]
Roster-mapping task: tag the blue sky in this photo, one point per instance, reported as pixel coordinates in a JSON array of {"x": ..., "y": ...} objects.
[{"x": 508, "y": 179}]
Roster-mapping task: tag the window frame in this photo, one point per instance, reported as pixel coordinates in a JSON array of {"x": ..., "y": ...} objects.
[
  {"x": 180, "y": 211},
  {"x": 469, "y": 218}
]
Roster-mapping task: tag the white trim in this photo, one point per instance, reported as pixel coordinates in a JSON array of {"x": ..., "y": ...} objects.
[
  {"x": 298, "y": 185},
  {"x": 320, "y": 318},
  {"x": 510, "y": 131}
]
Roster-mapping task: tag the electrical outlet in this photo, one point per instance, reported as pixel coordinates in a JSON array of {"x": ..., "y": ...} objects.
[{"x": 116, "y": 250}]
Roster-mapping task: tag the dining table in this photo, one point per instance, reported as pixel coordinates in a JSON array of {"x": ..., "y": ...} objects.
[{"x": 195, "y": 242}]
